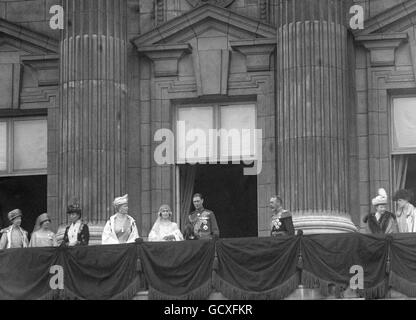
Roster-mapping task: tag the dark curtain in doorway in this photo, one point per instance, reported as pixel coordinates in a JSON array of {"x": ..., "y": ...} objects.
[
  {"x": 400, "y": 163},
  {"x": 187, "y": 175}
]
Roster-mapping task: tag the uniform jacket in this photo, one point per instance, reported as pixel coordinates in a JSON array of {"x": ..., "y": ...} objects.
[
  {"x": 282, "y": 225},
  {"x": 202, "y": 224}
]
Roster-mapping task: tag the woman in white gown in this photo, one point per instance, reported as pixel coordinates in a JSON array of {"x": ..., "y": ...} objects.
[{"x": 164, "y": 229}]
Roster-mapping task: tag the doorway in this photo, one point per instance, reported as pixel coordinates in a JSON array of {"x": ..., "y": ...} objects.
[
  {"x": 411, "y": 177},
  {"x": 28, "y": 193},
  {"x": 230, "y": 194}
]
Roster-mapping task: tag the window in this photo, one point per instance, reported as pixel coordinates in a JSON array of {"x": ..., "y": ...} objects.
[
  {"x": 404, "y": 143},
  {"x": 197, "y": 121},
  {"x": 23, "y": 146},
  {"x": 238, "y": 118},
  {"x": 404, "y": 125},
  {"x": 215, "y": 133}
]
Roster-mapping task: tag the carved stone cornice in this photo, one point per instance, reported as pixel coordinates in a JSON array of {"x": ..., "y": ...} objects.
[
  {"x": 221, "y": 3},
  {"x": 382, "y": 47},
  {"x": 397, "y": 18},
  {"x": 28, "y": 37},
  {"x": 46, "y": 66},
  {"x": 172, "y": 31},
  {"x": 257, "y": 52},
  {"x": 165, "y": 57}
]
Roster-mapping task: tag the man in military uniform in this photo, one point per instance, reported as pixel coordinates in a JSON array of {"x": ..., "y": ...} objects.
[
  {"x": 202, "y": 223},
  {"x": 281, "y": 220},
  {"x": 14, "y": 236}
]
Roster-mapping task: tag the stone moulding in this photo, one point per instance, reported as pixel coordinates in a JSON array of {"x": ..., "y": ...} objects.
[
  {"x": 257, "y": 52},
  {"x": 382, "y": 47},
  {"x": 28, "y": 36},
  {"x": 399, "y": 17},
  {"x": 172, "y": 31},
  {"x": 221, "y": 3},
  {"x": 165, "y": 57}
]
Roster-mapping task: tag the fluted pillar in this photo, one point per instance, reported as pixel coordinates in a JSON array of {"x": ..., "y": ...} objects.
[
  {"x": 312, "y": 128},
  {"x": 92, "y": 121}
]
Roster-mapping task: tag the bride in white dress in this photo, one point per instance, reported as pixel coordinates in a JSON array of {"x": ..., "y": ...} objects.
[{"x": 164, "y": 229}]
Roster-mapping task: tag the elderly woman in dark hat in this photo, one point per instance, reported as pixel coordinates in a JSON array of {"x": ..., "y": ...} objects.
[
  {"x": 77, "y": 233},
  {"x": 14, "y": 236},
  {"x": 42, "y": 235},
  {"x": 406, "y": 212}
]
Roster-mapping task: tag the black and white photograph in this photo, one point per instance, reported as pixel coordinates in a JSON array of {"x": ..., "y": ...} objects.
[{"x": 229, "y": 152}]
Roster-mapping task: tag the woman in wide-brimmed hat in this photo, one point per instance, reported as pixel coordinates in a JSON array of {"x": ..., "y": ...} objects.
[
  {"x": 381, "y": 221},
  {"x": 164, "y": 229},
  {"x": 42, "y": 235},
  {"x": 14, "y": 236}
]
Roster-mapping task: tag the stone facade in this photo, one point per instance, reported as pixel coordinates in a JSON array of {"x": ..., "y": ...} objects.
[{"x": 322, "y": 93}]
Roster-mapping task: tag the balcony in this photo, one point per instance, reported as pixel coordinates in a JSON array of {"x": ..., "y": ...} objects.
[{"x": 322, "y": 266}]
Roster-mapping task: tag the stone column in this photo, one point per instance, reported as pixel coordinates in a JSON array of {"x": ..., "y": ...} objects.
[
  {"x": 92, "y": 120},
  {"x": 312, "y": 108}
]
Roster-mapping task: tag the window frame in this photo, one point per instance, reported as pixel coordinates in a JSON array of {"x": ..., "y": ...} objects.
[
  {"x": 394, "y": 150},
  {"x": 216, "y": 106},
  {"x": 10, "y": 157}
]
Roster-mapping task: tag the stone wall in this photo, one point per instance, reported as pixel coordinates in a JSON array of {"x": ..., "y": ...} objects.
[
  {"x": 379, "y": 76},
  {"x": 33, "y": 14}
]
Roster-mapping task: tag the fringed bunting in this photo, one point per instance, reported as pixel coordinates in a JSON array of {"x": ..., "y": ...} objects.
[
  {"x": 331, "y": 260},
  {"x": 309, "y": 280},
  {"x": 403, "y": 264},
  {"x": 402, "y": 285},
  {"x": 241, "y": 269},
  {"x": 200, "y": 293},
  {"x": 280, "y": 292},
  {"x": 257, "y": 268},
  {"x": 180, "y": 270},
  {"x": 377, "y": 291},
  {"x": 51, "y": 295}
]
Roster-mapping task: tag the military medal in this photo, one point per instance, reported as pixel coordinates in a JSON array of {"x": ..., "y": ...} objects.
[{"x": 204, "y": 222}]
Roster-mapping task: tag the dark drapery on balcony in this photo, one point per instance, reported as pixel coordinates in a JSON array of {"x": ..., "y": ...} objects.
[{"x": 243, "y": 268}]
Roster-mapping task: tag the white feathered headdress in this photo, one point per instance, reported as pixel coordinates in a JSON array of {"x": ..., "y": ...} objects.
[{"x": 381, "y": 198}]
